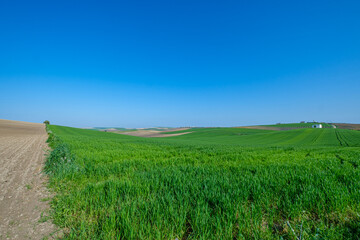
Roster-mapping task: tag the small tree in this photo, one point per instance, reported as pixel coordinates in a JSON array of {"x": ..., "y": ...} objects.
[{"x": 47, "y": 122}]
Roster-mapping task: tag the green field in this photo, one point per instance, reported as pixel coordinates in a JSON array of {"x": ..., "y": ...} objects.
[
  {"x": 298, "y": 125},
  {"x": 213, "y": 183}
]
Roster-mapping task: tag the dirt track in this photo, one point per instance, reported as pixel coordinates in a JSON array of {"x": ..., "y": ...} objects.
[{"x": 22, "y": 185}]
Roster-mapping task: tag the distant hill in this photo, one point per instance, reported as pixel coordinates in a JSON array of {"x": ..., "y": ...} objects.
[
  {"x": 289, "y": 126},
  {"x": 351, "y": 126}
]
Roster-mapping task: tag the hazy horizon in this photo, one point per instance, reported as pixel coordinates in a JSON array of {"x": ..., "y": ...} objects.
[{"x": 191, "y": 126}]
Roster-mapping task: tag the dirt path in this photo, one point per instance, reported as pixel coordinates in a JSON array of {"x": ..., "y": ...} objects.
[{"x": 23, "y": 205}]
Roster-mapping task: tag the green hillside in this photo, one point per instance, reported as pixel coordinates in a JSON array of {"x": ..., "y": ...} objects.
[
  {"x": 255, "y": 137},
  {"x": 213, "y": 183},
  {"x": 298, "y": 125}
]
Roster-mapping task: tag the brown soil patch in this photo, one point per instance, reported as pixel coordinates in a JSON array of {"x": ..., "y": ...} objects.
[
  {"x": 154, "y": 133},
  {"x": 350, "y": 126},
  {"x": 23, "y": 210},
  {"x": 263, "y": 128}
]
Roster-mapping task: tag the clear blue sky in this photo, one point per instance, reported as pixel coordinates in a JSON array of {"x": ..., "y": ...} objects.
[{"x": 179, "y": 63}]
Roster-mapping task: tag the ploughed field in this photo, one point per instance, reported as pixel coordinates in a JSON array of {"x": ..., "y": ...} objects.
[
  {"x": 23, "y": 211},
  {"x": 213, "y": 183}
]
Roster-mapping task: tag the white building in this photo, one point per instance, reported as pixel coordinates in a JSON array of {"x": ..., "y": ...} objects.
[{"x": 317, "y": 126}]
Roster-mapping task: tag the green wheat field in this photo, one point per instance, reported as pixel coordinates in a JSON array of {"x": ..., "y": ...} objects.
[{"x": 212, "y": 183}]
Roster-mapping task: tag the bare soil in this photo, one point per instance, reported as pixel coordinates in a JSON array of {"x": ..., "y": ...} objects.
[
  {"x": 265, "y": 128},
  {"x": 154, "y": 133},
  {"x": 351, "y": 126},
  {"x": 23, "y": 194}
]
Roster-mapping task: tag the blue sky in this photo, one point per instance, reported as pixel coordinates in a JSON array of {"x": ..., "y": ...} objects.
[{"x": 179, "y": 63}]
